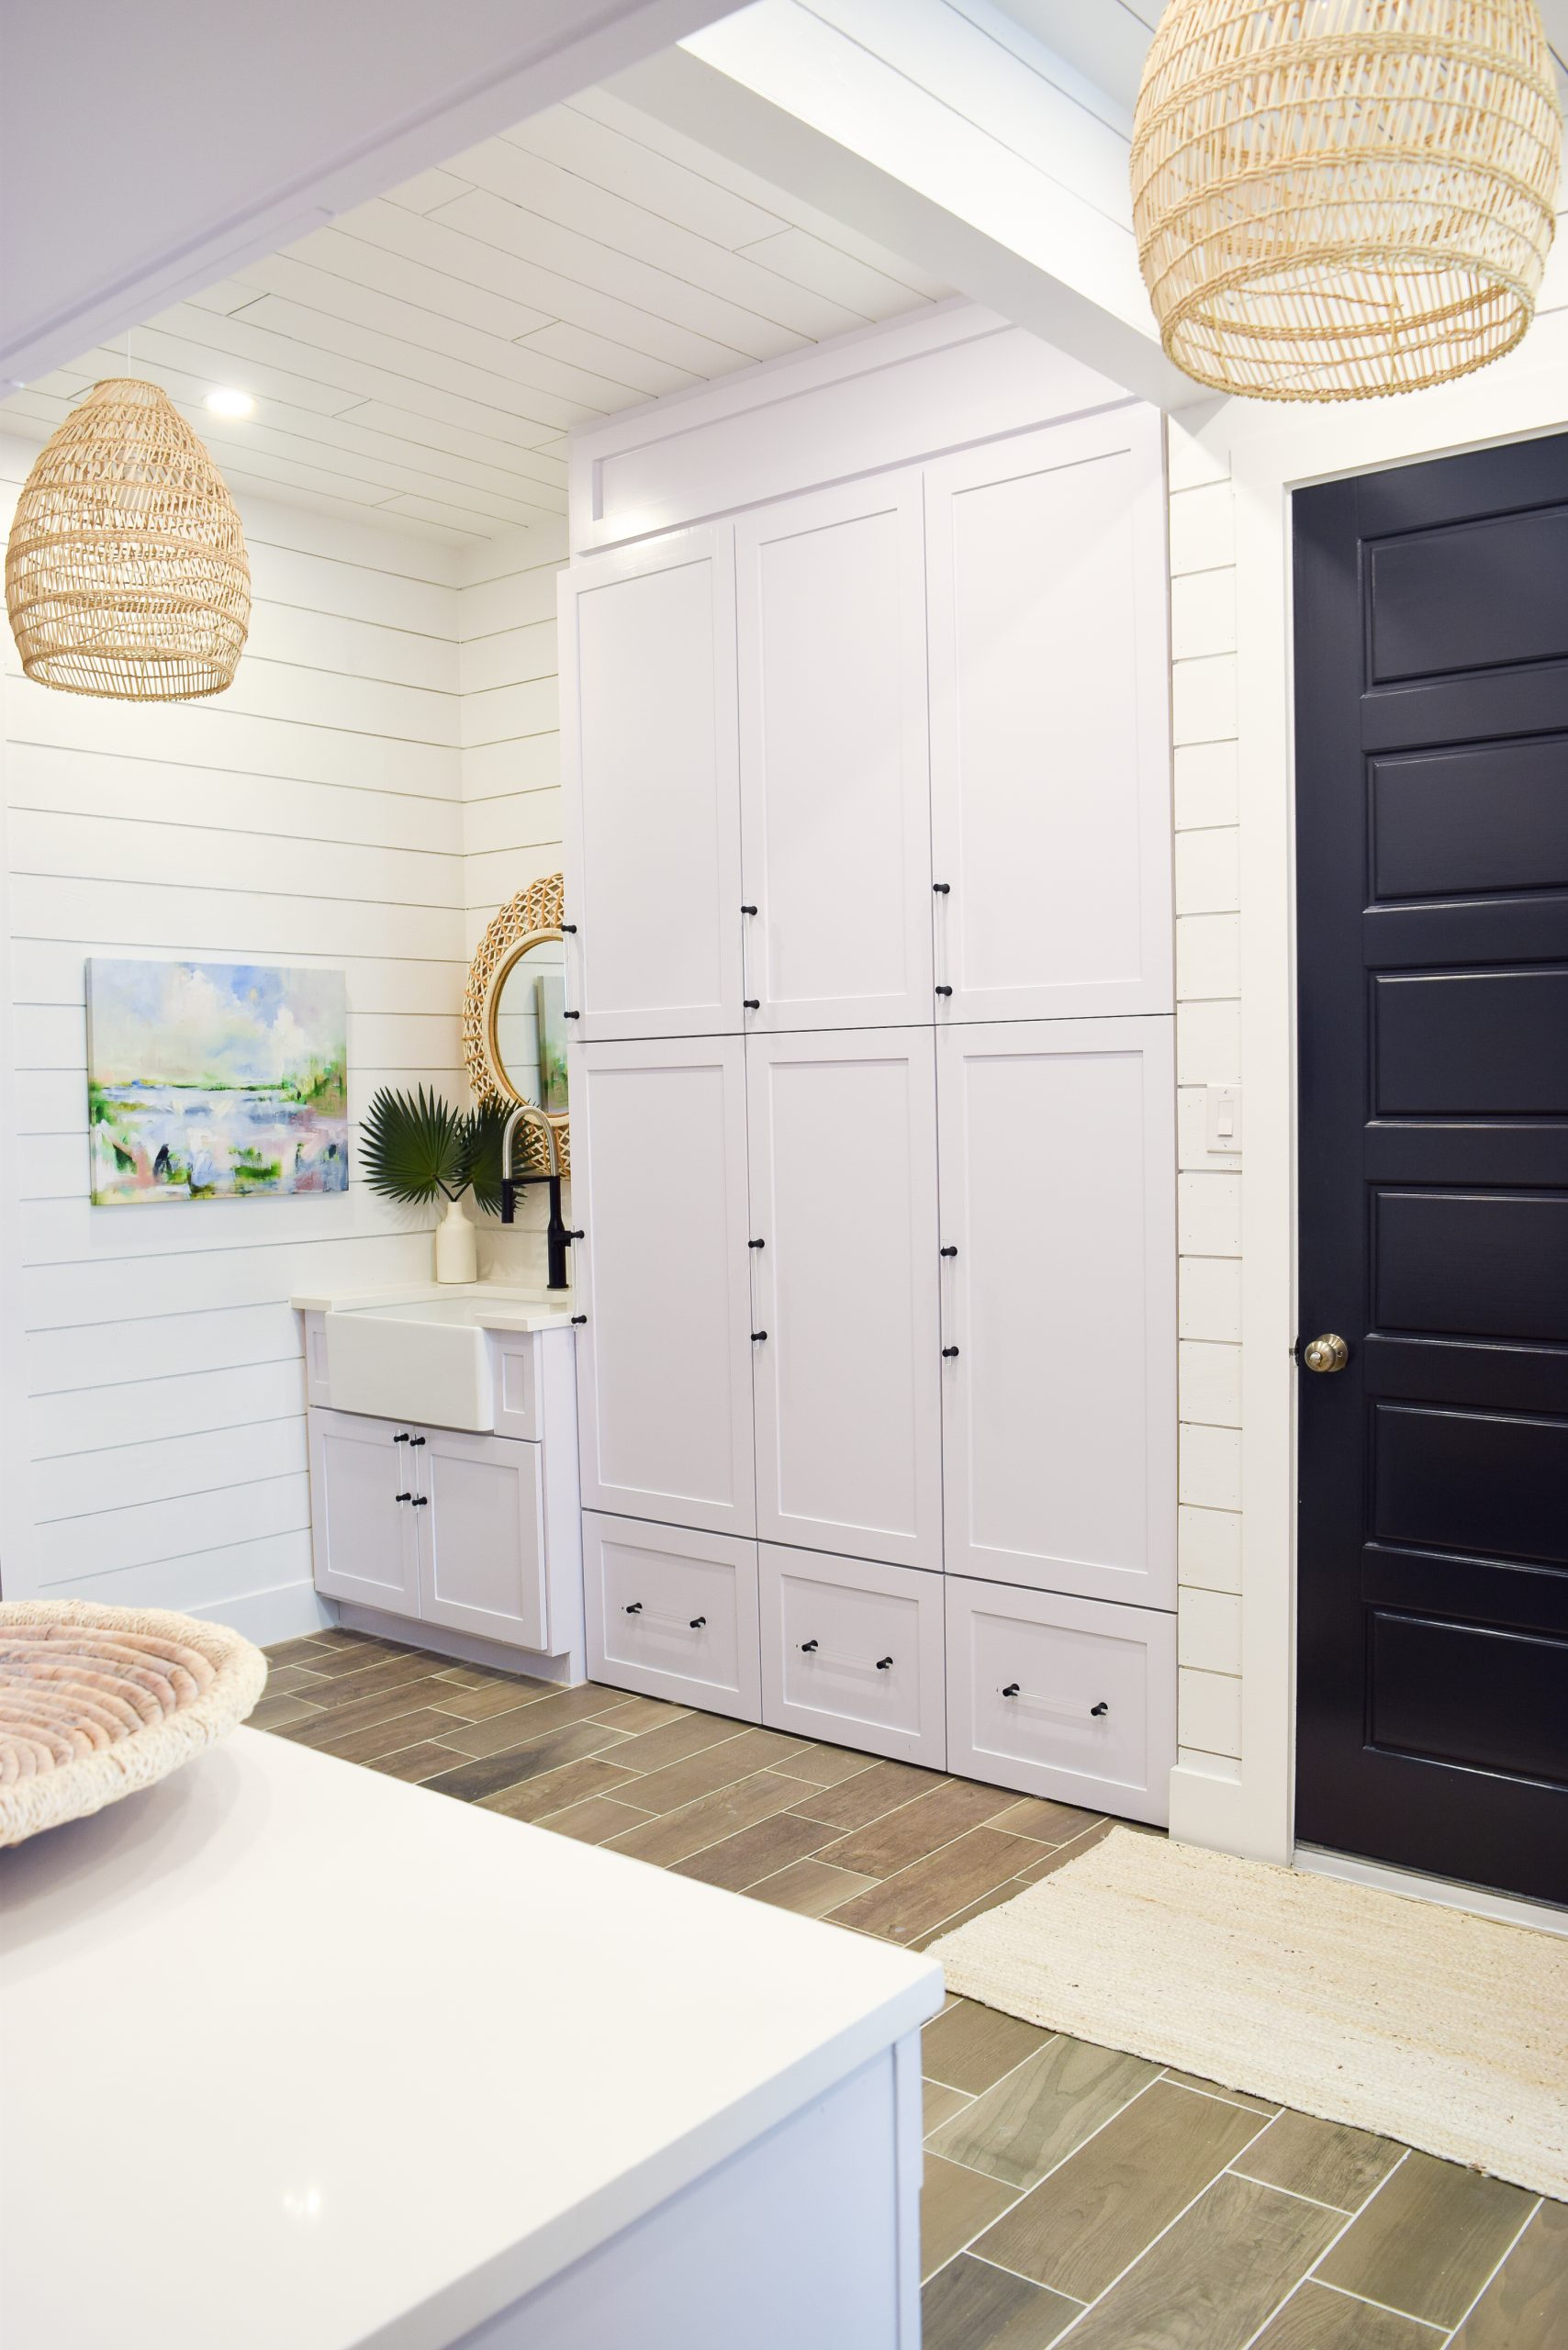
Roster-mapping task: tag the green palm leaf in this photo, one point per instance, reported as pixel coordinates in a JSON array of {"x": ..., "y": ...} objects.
[
  {"x": 413, "y": 1146},
  {"x": 482, "y": 1152}
]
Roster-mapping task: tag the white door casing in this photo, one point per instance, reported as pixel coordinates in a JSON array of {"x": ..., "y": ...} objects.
[
  {"x": 1050, "y": 732},
  {"x": 650, "y": 798},
  {"x": 835, "y": 818},
  {"x": 664, "y": 1362},
  {"x": 842, "y": 1161},
  {"x": 1058, "y": 1159}
]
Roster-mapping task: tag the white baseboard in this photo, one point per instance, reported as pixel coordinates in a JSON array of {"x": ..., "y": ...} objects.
[
  {"x": 462, "y": 1646},
  {"x": 1545, "y": 1917},
  {"x": 291, "y": 1612}
]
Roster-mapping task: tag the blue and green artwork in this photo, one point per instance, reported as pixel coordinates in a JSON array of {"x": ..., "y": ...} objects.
[{"x": 215, "y": 1081}]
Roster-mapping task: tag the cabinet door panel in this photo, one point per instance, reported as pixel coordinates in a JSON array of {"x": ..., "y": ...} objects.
[
  {"x": 664, "y": 1364},
  {"x": 652, "y": 804},
  {"x": 1049, "y": 723},
  {"x": 1063, "y": 1698},
  {"x": 361, "y": 1534},
  {"x": 481, "y": 1540},
  {"x": 835, "y": 784},
  {"x": 1057, "y": 1153},
  {"x": 844, "y": 1197},
  {"x": 673, "y": 1613}
]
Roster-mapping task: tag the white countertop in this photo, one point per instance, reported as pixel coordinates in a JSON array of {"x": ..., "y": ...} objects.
[
  {"x": 295, "y": 2057},
  {"x": 491, "y": 1305}
]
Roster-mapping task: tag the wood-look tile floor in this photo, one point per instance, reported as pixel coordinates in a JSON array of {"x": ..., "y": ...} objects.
[{"x": 1072, "y": 2192}]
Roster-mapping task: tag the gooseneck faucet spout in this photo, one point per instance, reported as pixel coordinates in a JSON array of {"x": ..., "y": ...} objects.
[{"x": 527, "y": 1113}]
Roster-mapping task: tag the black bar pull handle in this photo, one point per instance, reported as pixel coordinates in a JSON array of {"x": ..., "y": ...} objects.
[
  {"x": 948, "y": 1353},
  {"x": 944, "y": 990},
  {"x": 1010, "y": 1690}
]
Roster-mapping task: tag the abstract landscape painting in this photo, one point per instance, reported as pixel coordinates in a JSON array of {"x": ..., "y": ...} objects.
[{"x": 215, "y": 1082}]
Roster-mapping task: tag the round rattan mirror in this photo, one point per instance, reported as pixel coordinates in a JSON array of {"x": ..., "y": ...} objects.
[{"x": 514, "y": 1028}]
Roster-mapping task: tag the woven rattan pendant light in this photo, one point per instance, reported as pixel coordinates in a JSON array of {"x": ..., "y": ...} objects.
[
  {"x": 1340, "y": 198},
  {"x": 126, "y": 574}
]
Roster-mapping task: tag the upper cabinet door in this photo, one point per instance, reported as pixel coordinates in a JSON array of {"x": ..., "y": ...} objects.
[
  {"x": 652, "y": 809},
  {"x": 1050, "y": 743},
  {"x": 844, "y": 1202},
  {"x": 664, "y": 1363},
  {"x": 834, "y": 764},
  {"x": 1059, "y": 1183}
]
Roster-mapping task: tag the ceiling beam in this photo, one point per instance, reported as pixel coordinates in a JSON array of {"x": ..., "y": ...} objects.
[
  {"x": 944, "y": 130},
  {"x": 195, "y": 138}
]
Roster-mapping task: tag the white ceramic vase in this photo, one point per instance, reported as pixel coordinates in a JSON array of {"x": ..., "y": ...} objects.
[{"x": 457, "y": 1249}]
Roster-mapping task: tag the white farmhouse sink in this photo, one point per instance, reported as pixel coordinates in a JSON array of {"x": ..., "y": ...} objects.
[{"x": 427, "y": 1359}]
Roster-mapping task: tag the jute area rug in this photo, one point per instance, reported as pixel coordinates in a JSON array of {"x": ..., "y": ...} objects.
[{"x": 1446, "y": 2031}]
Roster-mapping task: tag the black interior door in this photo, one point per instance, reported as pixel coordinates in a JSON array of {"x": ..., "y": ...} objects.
[{"x": 1431, "y": 626}]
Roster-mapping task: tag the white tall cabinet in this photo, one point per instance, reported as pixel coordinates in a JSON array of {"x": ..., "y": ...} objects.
[{"x": 873, "y": 1110}]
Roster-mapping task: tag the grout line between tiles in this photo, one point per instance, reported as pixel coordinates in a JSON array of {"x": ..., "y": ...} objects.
[
  {"x": 1513, "y": 2246},
  {"x": 1366, "y": 2301},
  {"x": 1296, "y": 2196},
  {"x": 1174, "y": 2221}
]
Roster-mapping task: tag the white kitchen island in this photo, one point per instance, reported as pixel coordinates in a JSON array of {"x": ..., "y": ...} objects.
[{"x": 295, "y": 2057}]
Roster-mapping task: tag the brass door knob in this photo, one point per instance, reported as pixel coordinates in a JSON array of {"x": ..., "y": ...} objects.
[{"x": 1327, "y": 1353}]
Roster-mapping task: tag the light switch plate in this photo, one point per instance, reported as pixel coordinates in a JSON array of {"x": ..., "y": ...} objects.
[{"x": 1222, "y": 1118}]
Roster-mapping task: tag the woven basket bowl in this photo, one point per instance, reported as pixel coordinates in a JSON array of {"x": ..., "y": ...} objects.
[{"x": 96, "y": 1702}]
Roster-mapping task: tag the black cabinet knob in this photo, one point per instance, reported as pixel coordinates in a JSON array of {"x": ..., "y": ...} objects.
[
  {"x": 752, "y": 1002},
  {"x": 944, "y": 990},
  {"x": 634, "y": 1609},
  {"x": 758, "y": 1337},
  {"x": 1010, "y": 1690},
  {"x": 697, "y": 1623},
  {"x": 949, "y": 1352},
  {"x": 403, "y": 1497},
  {"x": 421, "y": 1501},
  {"x": 570, "y": 929},
  {"x": 884, "y": 1665},
  {"x": 941, "y": 888},
  {"x": 808, "y": 1647},
  {"x": 748, "y": 910},
  {"x": 1101, "y": 1708},
  {"x": 577, "y": 1234},
  {"x": 757, "y": 1244},
  {"x": 415, "y": 1442},
  {"x": 401, "y": 1439},
  {"x": 950, "y": 1252},
  {"x": 577, "y": 1320},
  {"x": 571, "y": 1015}
]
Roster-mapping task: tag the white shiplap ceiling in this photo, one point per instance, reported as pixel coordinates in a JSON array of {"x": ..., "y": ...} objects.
[{"x": 422, "y": 359}]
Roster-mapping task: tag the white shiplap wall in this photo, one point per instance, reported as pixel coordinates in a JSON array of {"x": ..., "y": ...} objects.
[
  {"x": 311, "y": 814},
  {"x": 510, "y": 718}
]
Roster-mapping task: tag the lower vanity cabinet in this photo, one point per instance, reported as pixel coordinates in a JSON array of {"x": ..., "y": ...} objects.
[
  {"x": 672, "y": 1613},
  {"x": 431, "y": 1523},
  {"x": 1070, "y": 1698},
  {"x": 852, "y": 1653}
]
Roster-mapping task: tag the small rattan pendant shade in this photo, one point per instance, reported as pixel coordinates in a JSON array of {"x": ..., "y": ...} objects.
[
  {"x": 1336, "y": 199},
  {"x": 126, "y": 574}
]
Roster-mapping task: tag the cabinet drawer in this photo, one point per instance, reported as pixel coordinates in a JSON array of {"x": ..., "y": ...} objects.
[
  {"x": 672, "y": 1614},
  {"x": 1072, "y": 1699},
  {"x": 852, "y": 1652}
]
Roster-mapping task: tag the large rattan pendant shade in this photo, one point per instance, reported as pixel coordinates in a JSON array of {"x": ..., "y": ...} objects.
[
  {"x": 1336, "y": 199},
  {"x": 126, "y": 574}
]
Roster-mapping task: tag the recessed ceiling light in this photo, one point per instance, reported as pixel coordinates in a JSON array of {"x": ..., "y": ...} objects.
[{"x": 225, "y": 402}]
